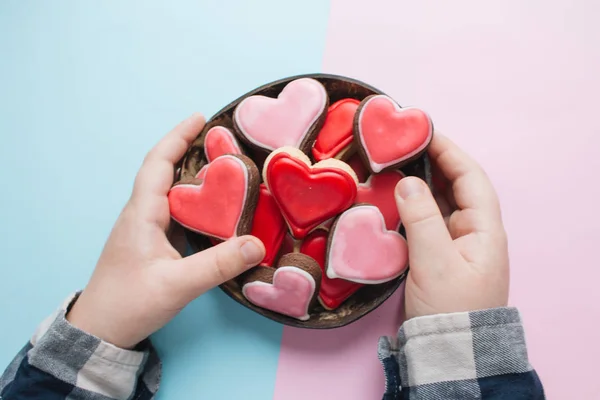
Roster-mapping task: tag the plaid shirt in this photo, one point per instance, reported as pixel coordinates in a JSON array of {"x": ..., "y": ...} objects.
[
  {"x": 62, "y": 362},
  {"x": 476, "y": 355}
]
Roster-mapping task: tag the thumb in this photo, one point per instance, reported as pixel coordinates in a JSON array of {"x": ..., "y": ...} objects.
[
  {"x": 218, "y": 264},
  {"x": 428, "y": 238}
]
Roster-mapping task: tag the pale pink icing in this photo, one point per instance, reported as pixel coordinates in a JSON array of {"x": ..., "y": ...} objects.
[
  {"x": 219, "y": 141},
  {"x": 390, "y": 134},
  {"x": 362, "y": 250},
  {"x": 289, "y": 294},
  {"x": 285, "y": 121}
]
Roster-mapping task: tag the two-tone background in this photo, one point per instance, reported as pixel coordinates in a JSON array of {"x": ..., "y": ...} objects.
[{"x": 86, "y": 88}]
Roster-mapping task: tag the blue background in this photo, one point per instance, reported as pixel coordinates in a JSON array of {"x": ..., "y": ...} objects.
[{"x": 86, "y": 89}]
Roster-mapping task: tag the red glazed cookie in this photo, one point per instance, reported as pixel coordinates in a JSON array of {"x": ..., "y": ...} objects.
[
  {"x": 335, "y": 138},
  {"x": 357, "y": 165},
  {"x": 222, "y": 204},
  {"x": 360, "y": 248},
  {"x": 220, "y": 141},
  {"x": 268, "y": 225},
  {"x": 333, "y": 292},
  {"x": 202, "y": 173},
  {"x": 308, "y": 195},
  {"x": 388, "y": 136},
  {"x": 378, "y": 190},
  {"x": 292, "y": 119},
  {"x": 291, "y": 289}
]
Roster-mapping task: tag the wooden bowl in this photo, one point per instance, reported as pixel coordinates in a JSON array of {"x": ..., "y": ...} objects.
[{"x": 366, "y": 299}]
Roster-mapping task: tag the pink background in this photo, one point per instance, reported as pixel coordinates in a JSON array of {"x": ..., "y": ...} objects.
[{"x": 516, "y": 84}]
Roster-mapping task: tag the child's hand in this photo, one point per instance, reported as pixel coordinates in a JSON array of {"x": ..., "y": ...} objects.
[
  {"x": 458, "y": 256},
  {"x": 141, "y": 281}
]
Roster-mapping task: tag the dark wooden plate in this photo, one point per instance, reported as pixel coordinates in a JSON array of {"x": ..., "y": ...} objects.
[{"x": 364, "y": 300}]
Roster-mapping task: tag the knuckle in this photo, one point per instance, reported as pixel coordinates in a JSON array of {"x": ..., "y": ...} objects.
[
  {"x": 422, "y": 212},
  {"x": 427, "y": 218},
  {"x": 224, "y": 264}
]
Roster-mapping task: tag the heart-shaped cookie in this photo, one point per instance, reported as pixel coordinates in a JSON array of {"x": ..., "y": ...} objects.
[
  {"x": 202, "y": 173},
  {"x": 333, "y": 292},
  {"x": 378, "y": 190},
  {"x": 357, "y": 165},
  {"x": 220, "y": 141},
  {"x": 291, "y": 289},
  {"x": 389, "y": 136},
  {"x": 335, "y": 138},
  {"x": 308, "y": 195},
  {"x": 222, "y": 204},
  {"x": 292, "y": 119},
  {"x": 268, "y": 225},
  {"x": 360, "y": 248}
]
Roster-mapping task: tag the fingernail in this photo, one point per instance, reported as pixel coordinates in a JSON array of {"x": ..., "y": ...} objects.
[
  {"x": 408, "y": 187},
  {"x": 252, "y": 253}
]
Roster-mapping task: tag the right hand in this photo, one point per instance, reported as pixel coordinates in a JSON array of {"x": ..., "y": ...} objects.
[
  {"x": 141, "y": 281},
  {"x": 458, "y": 251}
]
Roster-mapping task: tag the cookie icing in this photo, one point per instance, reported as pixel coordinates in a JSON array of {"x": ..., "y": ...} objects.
[
  {"x": 333, "y": 292},
  {"x": 202, "y": 173},
  {"x": 356, "y": 163},
  {"x": 270, "y": 123},
  {"x": 378, "y": 190},
  {"x": 336, "y": 133},
  {"x": 268, "y": 225},
  {"x": 362, "y": 250},
  {"x": 215, "y": 206},
  {"x": 308, "y": 196},
  {"x": 290, "y": 293},
  {"x": 390, "y": 135},
  {"x": 220, "y": 141}
]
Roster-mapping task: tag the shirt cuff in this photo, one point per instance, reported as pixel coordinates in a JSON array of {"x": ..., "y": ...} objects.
[
  {"x": 88, "y": 363},
  {"x": 461, "y": 347}
]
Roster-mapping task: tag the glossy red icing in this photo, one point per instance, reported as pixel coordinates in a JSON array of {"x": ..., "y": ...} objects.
[
  {"x": 336, "y": 133},
  {"x": 307, "y": 197},
  {"x": 333, "y": 292},
  {"x": 356, "y": 163},
  {"x": 269, "y": 225},
  {"x": 379, "y": 191}
]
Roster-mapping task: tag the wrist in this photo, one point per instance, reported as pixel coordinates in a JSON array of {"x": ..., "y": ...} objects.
[{"x": 84, "y": 315}]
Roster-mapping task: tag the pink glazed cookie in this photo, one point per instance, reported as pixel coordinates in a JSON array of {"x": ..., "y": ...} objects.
[
  {"x": 291, "y": 289},
  {"x": 294, "y": 118},
  {"x": 388, "y": 136},
  {"x": 362, "y": 250},
  {"x": 220, "y": 141},
  {"x": 222, "y": 204}
]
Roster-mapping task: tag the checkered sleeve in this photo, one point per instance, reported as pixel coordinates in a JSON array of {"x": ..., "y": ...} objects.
[
  {"x": 63, "y": 362},
  {"x": 479, "y": 355}
]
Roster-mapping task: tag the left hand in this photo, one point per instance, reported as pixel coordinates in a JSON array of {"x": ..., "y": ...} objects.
[
  {"x": 458, "y": 251},
  {"x": 141, "y": 281}
]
